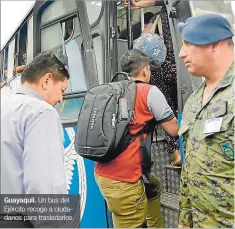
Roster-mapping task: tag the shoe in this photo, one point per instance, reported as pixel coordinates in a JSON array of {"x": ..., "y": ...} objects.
[{"x": 176, "y": 158}]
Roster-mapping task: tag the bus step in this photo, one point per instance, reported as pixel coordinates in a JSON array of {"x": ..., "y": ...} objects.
[
  {"x": 172, "y": 179},
  {"x": 169, "y": 200},
  {"x": 170, "y": 209}
]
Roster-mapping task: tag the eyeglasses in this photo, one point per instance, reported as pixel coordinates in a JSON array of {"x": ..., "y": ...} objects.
[{"x": 186, "y": 43}]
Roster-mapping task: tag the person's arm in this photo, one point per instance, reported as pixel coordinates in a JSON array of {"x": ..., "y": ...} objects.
[
  {"x": 140, "y": 4},
  {"x": 171, "y": 127},
  {"x": 3, "y": 84},
  {"x": 143, "y": 3},
  {"x": 147, "y": 28},
  {"x": 162, "y": 112},
  {"x": 43, "y": 156}
]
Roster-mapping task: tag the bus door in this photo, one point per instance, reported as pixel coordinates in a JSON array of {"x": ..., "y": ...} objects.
[
  {"x": 178, "y": 11},
  {"x": 70, "y": 30},
  {"x": 101, "y": 18}
]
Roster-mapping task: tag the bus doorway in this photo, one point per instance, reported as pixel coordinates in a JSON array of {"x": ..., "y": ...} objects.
[{"x": 161, "y": 149}]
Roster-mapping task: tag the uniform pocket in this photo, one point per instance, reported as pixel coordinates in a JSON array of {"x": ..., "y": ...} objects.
[{"x": 227, "y": 119}]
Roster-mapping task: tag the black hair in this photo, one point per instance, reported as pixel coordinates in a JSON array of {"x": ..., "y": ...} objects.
[
  {"x": 230, "y": 42},
  {"x": 133, "y": 62},
  {"x": 147, "y": 17},
  {"x": 44, "y": 62}
]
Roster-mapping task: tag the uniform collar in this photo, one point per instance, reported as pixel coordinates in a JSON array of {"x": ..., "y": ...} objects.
[
  {"x": 225, "y": 82},
  {"x": 228, "y": 77},
  {"x": 30, "y": 92}
]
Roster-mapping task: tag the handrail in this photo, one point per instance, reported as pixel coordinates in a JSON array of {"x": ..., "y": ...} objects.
[{"x": 129, "y": 25}]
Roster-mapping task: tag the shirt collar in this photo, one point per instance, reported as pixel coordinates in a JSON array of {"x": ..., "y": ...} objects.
[
  {"x": 228, "y": 77},
  {"x": 225, "y": 82},
  {"x": 30, "y": 92}
]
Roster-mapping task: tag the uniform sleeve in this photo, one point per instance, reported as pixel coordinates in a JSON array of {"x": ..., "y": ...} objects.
[
  {"x": 158, "y": 105},
  {"x": 185, "y": 205},
  {"x": 43, "y": 155}
]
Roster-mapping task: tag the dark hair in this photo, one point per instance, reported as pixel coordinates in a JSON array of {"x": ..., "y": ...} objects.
[
  {"x": 147, "y": 17},
  {"x": 133, "y": 62},
  {"x": 230, "y": 42},
  {"x": 45, "y": 62}
]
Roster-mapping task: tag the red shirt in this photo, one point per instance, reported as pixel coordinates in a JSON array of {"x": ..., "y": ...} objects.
[{"x": 127, "y": 166}]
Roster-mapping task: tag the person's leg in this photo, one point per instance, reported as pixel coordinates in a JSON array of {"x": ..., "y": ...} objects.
[
  {"x": 126, "y": 201},
  {"x": 154, "y": 215}
]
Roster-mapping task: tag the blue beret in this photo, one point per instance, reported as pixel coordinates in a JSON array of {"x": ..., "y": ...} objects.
[
  {"x": 205, "y": 29},
  {"x": 151, "y": 45}
]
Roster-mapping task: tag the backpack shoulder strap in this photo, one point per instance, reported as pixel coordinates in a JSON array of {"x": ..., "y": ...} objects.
[{"x": 155, "y": 24}]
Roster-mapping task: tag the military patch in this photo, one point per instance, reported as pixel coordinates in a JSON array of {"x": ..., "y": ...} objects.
[
  {"x": 228, "y": 150},
  {"x": 220, "y": 110}
]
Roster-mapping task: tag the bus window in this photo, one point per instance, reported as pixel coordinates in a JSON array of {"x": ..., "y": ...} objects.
[
  {"x": 5, "y": 63},
  {"x": 149, "y": 12},
  {"x": 93, "y": 10},
  {"x": 2, "y": 64},
  {"x": 15, "y": 55},
  {"x": 122, "y": 25},
  {"x": 30, "y": 41},
  {"x": 98, "y": 47},
  {"x": 11, "y": 57},
  {"x": 69, "y": 110},
  {"x": 57, "y": 9},
  {"x": 51, "y": 37},
  {"x": 221, "y": 7},
  {"x": 64, "y": 40},
  {"x": 68, "y": 29},
  {"x": 22, "y": 46}
]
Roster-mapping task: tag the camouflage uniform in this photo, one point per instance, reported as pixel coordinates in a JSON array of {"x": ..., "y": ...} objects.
[{"x": 207, "y": 178}]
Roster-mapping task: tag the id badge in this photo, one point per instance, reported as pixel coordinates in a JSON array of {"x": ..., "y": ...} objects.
[{"x": 213, "y": 125}]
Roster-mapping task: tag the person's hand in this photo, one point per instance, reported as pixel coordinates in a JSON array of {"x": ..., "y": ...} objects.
[
  {"x": 3, "y": 84},
  {"x": 125, "y": 3},
  {"x": 133, "y": 4}
]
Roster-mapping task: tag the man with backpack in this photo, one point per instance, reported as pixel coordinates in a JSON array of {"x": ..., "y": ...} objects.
[{"x": 121, "y": 179}]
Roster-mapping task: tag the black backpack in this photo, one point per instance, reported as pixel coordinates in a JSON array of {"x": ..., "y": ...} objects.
[{"x": 103, "y": 131}]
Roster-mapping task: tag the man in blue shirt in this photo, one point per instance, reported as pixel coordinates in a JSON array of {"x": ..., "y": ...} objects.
[{"x": 32, "y": 153}]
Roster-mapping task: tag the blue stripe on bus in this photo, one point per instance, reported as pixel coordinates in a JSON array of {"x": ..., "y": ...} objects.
[{"x": 181, "y": 140}]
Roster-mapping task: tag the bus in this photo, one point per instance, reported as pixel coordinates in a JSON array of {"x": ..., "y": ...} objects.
[{"x": 89, "y": 37}]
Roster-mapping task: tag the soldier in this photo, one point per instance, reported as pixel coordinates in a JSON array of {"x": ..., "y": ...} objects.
[{"x": 207, "y": 178}]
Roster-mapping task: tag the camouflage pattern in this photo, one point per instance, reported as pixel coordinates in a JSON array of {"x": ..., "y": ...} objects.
[{"x": 207, "y": 178}]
